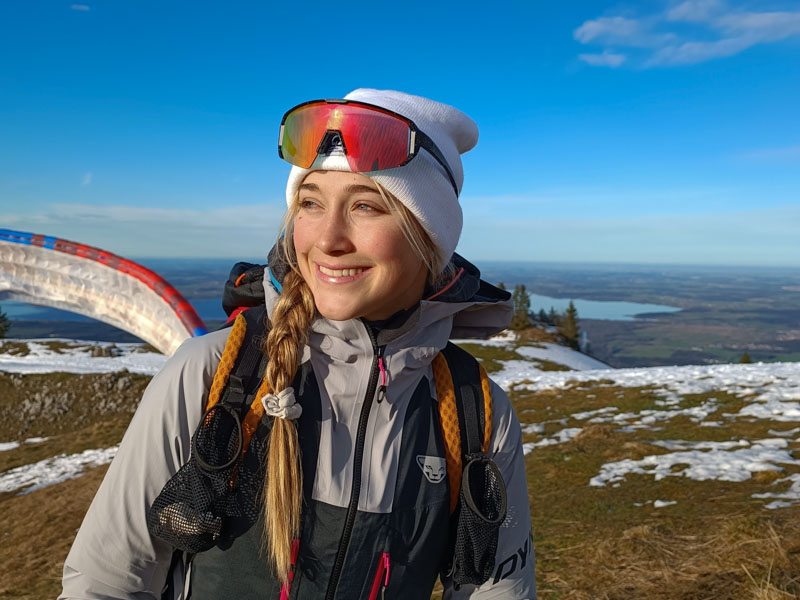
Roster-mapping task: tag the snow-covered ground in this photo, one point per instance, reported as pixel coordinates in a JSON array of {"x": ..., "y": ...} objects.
[
  {"x": 53, "y": 470},
  {"x": 771, "y": 392},
  {"x": 75, "y": 356}
]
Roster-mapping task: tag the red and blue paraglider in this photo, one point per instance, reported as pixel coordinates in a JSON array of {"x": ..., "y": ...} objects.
[{"x": 50, "y": 271}]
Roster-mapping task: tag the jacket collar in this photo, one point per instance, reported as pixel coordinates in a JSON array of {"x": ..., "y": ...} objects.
[{"x": 466, "y": 307}]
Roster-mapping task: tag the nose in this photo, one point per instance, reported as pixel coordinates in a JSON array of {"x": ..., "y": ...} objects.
[{"x": 335, "y": 237}]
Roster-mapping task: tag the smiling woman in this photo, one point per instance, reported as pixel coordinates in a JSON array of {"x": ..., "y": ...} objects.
[
  {"x": 351, "y": 249},
  {"x": 332, "y": 452}
]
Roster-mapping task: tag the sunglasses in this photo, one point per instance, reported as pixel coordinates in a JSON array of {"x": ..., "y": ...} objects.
[{"x": 371, "y": 138}]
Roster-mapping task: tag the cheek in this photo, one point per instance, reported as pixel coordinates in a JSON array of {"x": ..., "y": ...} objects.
[
  {"x": 301, "y": 236},
  {"x": 396, "y": 251},
  {"x": 386, "y": 244}
]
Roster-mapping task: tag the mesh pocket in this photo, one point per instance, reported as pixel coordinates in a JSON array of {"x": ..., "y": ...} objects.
[
  {"x": 214, "y": 497},
  {"x": 481, "y": 511}
]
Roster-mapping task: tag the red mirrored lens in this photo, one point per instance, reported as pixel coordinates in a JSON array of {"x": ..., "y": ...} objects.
[
  {"x": 303, "y": 129},
  {"x": 374, "y": 140}
]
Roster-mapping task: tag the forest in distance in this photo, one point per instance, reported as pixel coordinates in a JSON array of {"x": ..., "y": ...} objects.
[{"x": 725, "y": 311}]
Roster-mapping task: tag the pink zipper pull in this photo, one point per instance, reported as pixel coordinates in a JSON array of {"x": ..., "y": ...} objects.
[
  {"x": 286, "y": 587},
  {"x": 381, "y": 580},
  {"x": 382, "y": 369},
  {"x": 387, "y": 565}
]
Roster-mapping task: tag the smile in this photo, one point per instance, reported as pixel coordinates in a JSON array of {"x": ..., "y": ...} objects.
[
  {"x": 340, "y": 275},
  {"x": 339, "y": 272}
]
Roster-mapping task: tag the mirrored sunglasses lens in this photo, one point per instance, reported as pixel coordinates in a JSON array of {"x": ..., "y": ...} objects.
[
  {"x": 374, "y": 140},
  {"x": 303, "y": 129}
]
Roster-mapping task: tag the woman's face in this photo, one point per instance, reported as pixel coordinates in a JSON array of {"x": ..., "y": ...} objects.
[{"x": 351, "y": 250}]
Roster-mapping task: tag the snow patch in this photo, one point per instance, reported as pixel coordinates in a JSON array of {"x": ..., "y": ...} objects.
[
  {"x": 76, "y": 357},
  {"x": 563, "y": 436},
  {"x": 663, "y": 503},
  {"x": 14, "y": 445},
  {"x": 716, "y": 463},
  {"x": 53, "y": 470}
]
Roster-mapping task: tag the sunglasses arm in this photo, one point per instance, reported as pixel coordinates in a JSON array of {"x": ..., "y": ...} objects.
[{"x": 423, "y": 141}]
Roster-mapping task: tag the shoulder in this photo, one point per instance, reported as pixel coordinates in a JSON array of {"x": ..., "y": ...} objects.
[
  {"x": 200, "y": 352},
  {"x": 196, "y": 358},
  {"x": 506, "y": 430}
]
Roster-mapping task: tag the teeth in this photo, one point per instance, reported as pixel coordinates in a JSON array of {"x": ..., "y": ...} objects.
[{"x": 339, "y": 272}]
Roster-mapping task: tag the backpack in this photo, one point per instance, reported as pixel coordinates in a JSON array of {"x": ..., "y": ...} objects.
[{"x": 477, "y": 491}]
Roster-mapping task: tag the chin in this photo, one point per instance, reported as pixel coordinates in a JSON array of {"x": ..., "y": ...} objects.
[{"x": 337, "y": 314}]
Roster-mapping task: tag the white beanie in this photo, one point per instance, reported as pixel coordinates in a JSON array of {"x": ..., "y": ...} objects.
[{"x": 422, "y": 184}]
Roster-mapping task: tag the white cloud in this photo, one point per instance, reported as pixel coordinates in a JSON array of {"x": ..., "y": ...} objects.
[
  {"x": 606, "y": 59},
  {"x": 695, "y": 52},
  {"x": 605, "y": 27},
  {"x": 718, "y": 31},
  {"x": 83, "y": 7},
  {"x": 622, "y": 31},
  {"x": 694, "y": 11},
  {"x": 87, "y": 178},
  {"x": 762, "y": 27}
]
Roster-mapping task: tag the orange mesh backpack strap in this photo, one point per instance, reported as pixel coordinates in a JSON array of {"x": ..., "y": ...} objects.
[
  {"x": 448, "y": 420},
  {"x": 473, "y": 399},
  {"x": 213, "y": 498},
  {"x": 228, "y": 359},
  {"x": 240, "y": 373},
  {"x": 480, "y": 506},
  {"x": 465, "y": 410}
]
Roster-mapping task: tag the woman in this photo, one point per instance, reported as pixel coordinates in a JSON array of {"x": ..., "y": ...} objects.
[{"x": 364, "y": 285}]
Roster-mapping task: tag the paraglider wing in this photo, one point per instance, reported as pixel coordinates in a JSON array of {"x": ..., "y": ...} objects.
[{"x": 53, "y": 272}]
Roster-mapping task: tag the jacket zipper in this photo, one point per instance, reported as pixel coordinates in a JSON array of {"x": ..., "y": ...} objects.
[
  {"x": 381, "y": 580},
  {"x": 358, "y": 458}
]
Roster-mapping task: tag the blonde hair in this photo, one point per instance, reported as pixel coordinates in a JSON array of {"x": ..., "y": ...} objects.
[{"x": 291, "y": 320}]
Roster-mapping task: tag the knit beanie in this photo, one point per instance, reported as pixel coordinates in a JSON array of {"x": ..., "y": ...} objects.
[{"x": 422, "y": 184}]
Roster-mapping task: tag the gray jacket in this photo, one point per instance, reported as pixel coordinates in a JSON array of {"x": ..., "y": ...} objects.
[{"x": 114, "y": 556}]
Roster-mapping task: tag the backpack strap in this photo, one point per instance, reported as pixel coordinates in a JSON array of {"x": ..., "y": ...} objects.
[
  {"x": 239, "y": 374},
  {"x": 465, "y": 410}
]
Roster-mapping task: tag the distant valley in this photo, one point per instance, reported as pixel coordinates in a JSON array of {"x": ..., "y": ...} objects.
[{"x": 711, "y": 315}]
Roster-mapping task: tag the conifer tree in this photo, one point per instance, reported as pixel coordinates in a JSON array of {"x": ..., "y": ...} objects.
[
  {"x": 522, "y": 306},
  {"x": 570, "y": 329},
  {"x": 745, "y": 360},
  {"x": 5, "y": 324},
  {"x": 501, "y": 286},
  {"x": 542, "y": 318}
]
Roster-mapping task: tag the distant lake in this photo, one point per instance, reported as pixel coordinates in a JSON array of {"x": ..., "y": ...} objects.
[{"x": 598, "y": 309}]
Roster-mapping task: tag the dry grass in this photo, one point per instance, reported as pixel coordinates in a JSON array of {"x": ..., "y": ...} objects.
[
  {"x": 14, "y": 348},
  {"x": 716, "y": 543},
  {"x": 536, "y": 335},
  {"x": 732, "y": 557},
  {"x": 37, "y": 530}
]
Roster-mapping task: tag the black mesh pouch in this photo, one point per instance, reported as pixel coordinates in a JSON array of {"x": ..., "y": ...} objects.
[
  {"x": 480, "y": 512},
  {"x": 214, "y": 497}
]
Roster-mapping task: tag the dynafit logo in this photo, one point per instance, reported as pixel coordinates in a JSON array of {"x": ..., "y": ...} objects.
[{"x": 433, "y": 467}]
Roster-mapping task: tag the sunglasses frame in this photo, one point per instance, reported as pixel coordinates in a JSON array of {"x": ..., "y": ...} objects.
[{"x": 417, "y": 138}]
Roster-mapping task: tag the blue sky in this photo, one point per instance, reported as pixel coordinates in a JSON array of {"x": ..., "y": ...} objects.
[{"x": 654, "y": 131}]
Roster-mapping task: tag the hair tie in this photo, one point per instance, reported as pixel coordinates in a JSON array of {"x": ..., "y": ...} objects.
[{"x": 282, "y": 405}]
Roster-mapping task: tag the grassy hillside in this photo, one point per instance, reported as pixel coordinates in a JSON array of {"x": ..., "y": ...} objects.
[{"x": 678, "y": 488}]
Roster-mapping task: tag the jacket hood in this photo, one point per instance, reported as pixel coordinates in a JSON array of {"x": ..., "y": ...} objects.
[
  {"x": 476, "y": 308},
  {"x": 464, "y": 307}
]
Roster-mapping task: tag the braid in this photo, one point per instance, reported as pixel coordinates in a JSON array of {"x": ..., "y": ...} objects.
[{"x": 283, "y": 485}]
